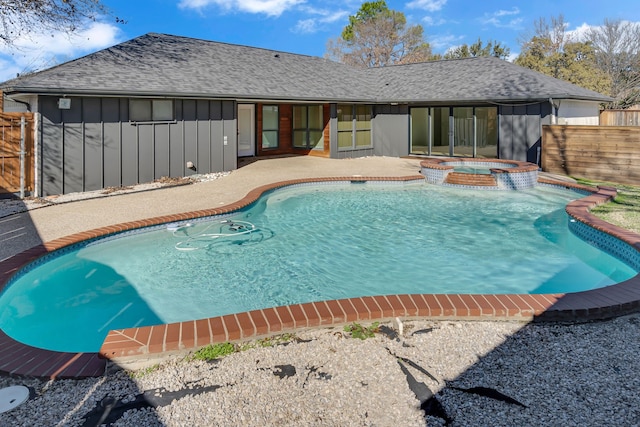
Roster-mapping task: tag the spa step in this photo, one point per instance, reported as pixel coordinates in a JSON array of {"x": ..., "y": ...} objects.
[{"x": 481, "y": 180}]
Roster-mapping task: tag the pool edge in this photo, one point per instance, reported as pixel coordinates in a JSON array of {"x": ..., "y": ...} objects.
[{"x": 616, "y": 300}]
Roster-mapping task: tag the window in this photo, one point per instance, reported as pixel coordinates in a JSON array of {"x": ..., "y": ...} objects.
[
  {"x": 354, "y": 127},
  {"x": 308, "y": 127},
  {"x": 146, "y": 110},
  {"x": 270, "y": 126}
]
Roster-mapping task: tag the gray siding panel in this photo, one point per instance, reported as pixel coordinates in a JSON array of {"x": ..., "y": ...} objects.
[
  {"x": 129, "y": 154},
  {"x": 519, "y": 141},
  {"x": 92, "y": 144},
  {"x": 505, "y": 138},
  {"x": 190, "y": 134},
  {"x": 161, "y": 150},
  {"x": 52, "y": 149},
  {"x": 521, "y": 131},
  {"x": 391, "y": 130},
  {"x": 217, "y": 136},
  {"x": 229, "y": 129},
  {"x": 204, "y": 135},
  {"x": 176, "y": 150},
  {"x": 146, "y": 136},
  {"x": 112, "y": 140},
  {"x": 534, "y": 133},
  {"x": 73, "y": 158}
]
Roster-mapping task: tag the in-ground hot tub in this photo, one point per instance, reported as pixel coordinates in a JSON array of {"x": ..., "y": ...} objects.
[{"x": 486, "y": 174}]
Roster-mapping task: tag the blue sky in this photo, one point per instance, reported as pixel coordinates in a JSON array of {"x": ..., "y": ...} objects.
[{"x": 305, "y": 26}]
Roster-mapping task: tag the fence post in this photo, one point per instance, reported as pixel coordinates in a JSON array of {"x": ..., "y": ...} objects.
[{"x": 22, "y": 154}]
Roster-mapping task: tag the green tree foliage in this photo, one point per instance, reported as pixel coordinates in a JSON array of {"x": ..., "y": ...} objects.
[
  {"x": 377, "y": 36},
  {"x": 492, "y": 48},
  {"x": 552, "y": 51},
  {"x": 21, "y": 17},
  {"x": 368, "y": 10}
]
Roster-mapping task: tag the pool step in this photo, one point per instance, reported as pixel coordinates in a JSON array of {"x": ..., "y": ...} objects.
[{"x": 481, "y": 180}]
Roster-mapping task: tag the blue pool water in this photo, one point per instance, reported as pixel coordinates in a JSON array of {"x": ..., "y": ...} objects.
[
  {"x": 308, "y": 243},
  {"x": 477, "y": 170}
]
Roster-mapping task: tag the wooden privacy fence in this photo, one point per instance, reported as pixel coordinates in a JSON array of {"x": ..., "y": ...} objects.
[
  {"x": 607, "y": 153},
  {"x": 15, "y": 132},
  {"x": 620, "y": 118}
]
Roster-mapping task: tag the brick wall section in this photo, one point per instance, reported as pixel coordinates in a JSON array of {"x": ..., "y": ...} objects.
[{"x": 285, "y": 133}]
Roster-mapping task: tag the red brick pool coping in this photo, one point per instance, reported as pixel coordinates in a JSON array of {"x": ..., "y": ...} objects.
[
  {"x": 441, "y": 163},
  {"x": 20, "y": 359}
]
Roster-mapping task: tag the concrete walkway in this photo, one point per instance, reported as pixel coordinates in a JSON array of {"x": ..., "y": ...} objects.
[{"x": 23, "y": 231}]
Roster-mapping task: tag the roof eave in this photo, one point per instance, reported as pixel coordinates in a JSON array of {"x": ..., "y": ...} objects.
[
  {"x": 269, "y": 97},
  {"x": 181, "y": 95}
]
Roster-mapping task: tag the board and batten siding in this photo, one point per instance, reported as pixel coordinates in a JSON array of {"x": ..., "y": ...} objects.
[
  {"x": 520, "y": 131},
  {"x": 93, "y": 145},
  {"x": 391, "y": 126}
]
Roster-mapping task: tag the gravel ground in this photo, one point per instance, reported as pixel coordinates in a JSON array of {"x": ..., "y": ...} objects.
[
  {"x": 13, "y": 206},
  {"x": 481, "y": 374}
]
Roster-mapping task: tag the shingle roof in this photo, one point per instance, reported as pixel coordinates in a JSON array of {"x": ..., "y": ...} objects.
[
  {"x": 166, "y": 65},
  {"x": 473, "y": 80}
]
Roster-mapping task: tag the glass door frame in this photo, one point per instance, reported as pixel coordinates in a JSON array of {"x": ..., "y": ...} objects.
[{"x": 430, "y": 129}]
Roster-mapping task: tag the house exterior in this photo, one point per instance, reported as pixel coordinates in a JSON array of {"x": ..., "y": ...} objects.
[{"x": 162, "y": 105}]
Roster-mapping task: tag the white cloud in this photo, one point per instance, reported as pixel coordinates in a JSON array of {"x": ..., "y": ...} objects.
[
  {"x": 267, "y": 7},
  {"x": 431, "y": 22},
  {"x": 306, "y": 26},
  {"x": 335, "y": 16},
  {"x": 40, "y": 50},
  {"x": 429, "y": 5},
  {"x": 444, "y": 42},
  {"x": 497, "y": 19},
  {"x": 514, "y": 11},
  {"x": 581, "y": 32},
  {"x": 313, "y": 25}
]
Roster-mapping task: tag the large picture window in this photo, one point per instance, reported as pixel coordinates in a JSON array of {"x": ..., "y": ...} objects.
[
  {"x": 147, "y": 110},
  {"x": 270, "y": 126},
  {"x": 354, "y": 126},
  {"x": 308, "y": 127}
]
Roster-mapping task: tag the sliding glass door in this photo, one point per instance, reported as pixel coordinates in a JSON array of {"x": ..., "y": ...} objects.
[{"x": 454, "y": 131}]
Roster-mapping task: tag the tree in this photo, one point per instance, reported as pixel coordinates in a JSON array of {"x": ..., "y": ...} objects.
[
  {"x": 492, "y": 48},
  {"x": 617, "y": 54},
  {"x": 543, "y": 52},
  {"x": 377, "y": 36},
  {"x": 552, "y": 51},
  {"x": 21, "y": 17}
]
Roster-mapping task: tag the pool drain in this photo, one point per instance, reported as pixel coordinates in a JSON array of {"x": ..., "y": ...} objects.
[{"x": 12, "y": 397}]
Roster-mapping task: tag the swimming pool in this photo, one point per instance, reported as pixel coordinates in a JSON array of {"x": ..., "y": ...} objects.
[{"x": 304, "y": 229}]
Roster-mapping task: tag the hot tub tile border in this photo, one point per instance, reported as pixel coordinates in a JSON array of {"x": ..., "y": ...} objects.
[{"x": 19, "y": 359}]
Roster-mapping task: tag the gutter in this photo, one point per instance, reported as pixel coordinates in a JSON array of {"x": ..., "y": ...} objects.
[{"x": 268, "y": 97}]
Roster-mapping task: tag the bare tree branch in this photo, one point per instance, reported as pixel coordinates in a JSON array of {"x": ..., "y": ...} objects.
[
  {"x": 21, "y": 17},
  {"x": 617, "y": 52},
  {"x": 376, "y": 37}
]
